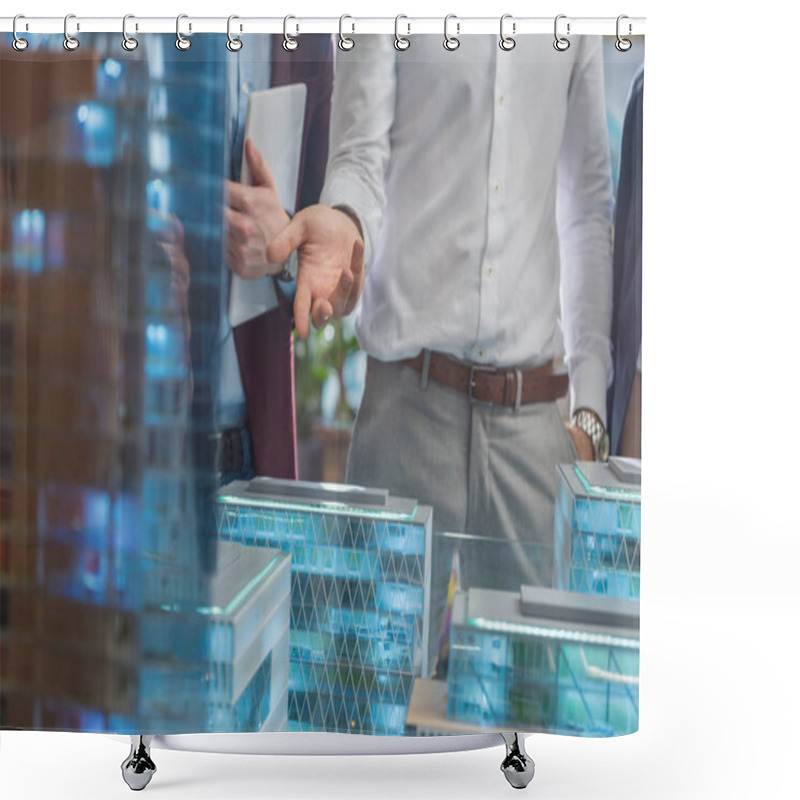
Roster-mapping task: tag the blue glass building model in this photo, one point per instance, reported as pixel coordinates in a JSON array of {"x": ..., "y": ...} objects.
[
  {"x": 544, "y": 660},
  {"x": 247, "y": 640},
  {"x": 360, "y": 593},
  {"x": 598, "y": 528}
]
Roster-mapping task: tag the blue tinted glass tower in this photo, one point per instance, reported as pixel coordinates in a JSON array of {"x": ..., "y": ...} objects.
[{"x": 111, "y": 269}]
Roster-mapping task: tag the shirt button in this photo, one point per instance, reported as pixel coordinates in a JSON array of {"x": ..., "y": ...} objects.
[
  {"x": 481, "y": 353},
  {"x": 490, "y": 270},
  {"x": 497, "y": 187},
  {"x": 247, "y": 87},
  {"x": 501, "y": 99}
]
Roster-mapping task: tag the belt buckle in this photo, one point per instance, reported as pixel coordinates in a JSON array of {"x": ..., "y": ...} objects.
[{"x": 473, "y": 368}]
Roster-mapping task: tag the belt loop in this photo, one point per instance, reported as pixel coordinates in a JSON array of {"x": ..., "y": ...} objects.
[
  {"x": 426, "y": 365},
  {"x": 518, "y": 398}
]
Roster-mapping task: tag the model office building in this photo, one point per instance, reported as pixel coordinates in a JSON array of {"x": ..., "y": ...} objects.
[{"x": 360, "y": 584}]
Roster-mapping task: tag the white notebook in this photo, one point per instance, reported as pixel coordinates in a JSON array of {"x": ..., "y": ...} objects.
[{"x": 275, "y": 120}]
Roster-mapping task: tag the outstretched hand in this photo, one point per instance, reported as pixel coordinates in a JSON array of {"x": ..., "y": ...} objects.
[{"x": 330, "y": 264}]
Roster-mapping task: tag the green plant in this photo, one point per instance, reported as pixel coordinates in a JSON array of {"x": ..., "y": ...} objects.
[{"x": 322, "y": 355}]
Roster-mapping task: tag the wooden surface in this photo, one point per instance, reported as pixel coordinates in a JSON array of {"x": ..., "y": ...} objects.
[{"x": 427, "y": 710}]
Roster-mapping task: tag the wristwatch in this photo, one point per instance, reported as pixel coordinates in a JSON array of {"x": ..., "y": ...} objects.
[
  {"x": 591, "y": 425},
  {"x": 289, "y": 271}
]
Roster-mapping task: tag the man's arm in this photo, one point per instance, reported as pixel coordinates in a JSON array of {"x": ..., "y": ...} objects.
[
  {"x": 584, "y": 210},
  {"x": 334, "y": 237}
]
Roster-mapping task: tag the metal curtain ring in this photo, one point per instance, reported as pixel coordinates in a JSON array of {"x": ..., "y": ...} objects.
[
  {"x": 289, "y": 43},
  {"x": 70, "y": 42},
  {"x": 507, "y": 42},
  {"x": 345, "y": 42},
  {"x": 623, "y": 45},
  {"x": 451, "y": 42},
  {"x": 181, "y": 41},
  {"x": 561, "y": 43},
  {"x": 19, "y": 43},
  {"x": 128, "y": 42},
  {"x": 401, "y": 42},
  {"x": 234, "y": 43}
]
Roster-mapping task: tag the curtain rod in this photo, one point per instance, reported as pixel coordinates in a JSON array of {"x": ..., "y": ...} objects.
[{"x": 629, "y": 26}]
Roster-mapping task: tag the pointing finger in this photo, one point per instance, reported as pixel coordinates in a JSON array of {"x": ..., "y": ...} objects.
[
  {"x": 321, "y": 312},
  {"x": 302, "y": 308},
  {"x": 339, "y": 297}
]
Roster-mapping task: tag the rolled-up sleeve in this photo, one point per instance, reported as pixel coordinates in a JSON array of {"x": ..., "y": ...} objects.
[
  {"x": 362, "y": 112},
  {"x": 584, "y": 211}
]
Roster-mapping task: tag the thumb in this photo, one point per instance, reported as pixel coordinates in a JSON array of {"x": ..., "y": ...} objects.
[
  {"x": 287, "y": 241},
  {"x": 260, "y": 173}
]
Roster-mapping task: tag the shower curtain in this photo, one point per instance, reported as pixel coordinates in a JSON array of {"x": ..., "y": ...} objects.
[{"x": 321, "y": 379}]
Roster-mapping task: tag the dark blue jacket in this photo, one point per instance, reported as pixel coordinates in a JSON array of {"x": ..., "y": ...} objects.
[{"x": 626, "y": 324}]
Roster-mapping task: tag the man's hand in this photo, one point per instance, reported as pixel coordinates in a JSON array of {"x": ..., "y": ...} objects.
[
  {"x": 330, "y": 264},
  {"x": 583, "y": 444},
  {"x": 254, "y": 215}
]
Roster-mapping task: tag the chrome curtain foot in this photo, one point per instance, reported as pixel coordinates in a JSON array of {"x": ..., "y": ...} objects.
[
  {"x": 517, "y": 766},
  {"x": 138, "y": 768}
]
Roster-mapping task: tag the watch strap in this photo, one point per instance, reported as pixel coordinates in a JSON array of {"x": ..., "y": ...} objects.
[
  {"x": 590, "y": 423},
  {"x": 289, "y": 272}
]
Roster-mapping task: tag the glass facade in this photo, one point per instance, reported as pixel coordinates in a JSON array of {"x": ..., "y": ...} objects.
[
  {"x": 598, "y": 528},
  {"x": 360, "y": 589},
  {"x": 247, "y": 640},
  {"x": 112, "y": 192},
  {"x": 543, "y": 669}
]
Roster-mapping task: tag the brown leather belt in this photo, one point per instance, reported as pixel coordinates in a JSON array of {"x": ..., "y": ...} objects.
[{"x": 502, "y": 386}]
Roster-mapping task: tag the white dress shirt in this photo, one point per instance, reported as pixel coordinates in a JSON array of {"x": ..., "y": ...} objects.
[{"x": 483, "y": 184}]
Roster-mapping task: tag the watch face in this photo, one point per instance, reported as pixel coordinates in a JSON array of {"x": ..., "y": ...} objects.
[{"x": 603, "y": 448}]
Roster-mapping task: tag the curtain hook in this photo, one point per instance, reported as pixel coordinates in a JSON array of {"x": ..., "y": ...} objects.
[
  {"x": 623, "y": 45},
  {"x": 70, "y": 42},
  {"x": 451, "y": 42},
  {"x": 128, "y": 42},
  {"x": 401, "y": 42},
  {"x": 234, "y": 43},
  {"x": 561, "y": 43},
  {"x": 19, "y": 44},
  {"x": 345, "y": 42},
  {"x": 507, "y": 42},
  {"x": 181, "y": 41},
  {"x": 289, "y": 43}
]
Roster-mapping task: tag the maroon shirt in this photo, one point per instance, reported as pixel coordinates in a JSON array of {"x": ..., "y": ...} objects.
[{"x": 264, "y": 344}]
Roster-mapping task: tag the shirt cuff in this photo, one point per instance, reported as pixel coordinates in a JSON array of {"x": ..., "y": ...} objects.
[{"x": 588, "y": 386}]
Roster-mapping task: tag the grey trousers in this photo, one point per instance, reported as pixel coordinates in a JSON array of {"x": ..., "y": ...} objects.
[{"x": 489, "y": 472}]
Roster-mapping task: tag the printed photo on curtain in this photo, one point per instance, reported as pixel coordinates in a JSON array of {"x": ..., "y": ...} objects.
[{"x": 321, "y": 384}]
